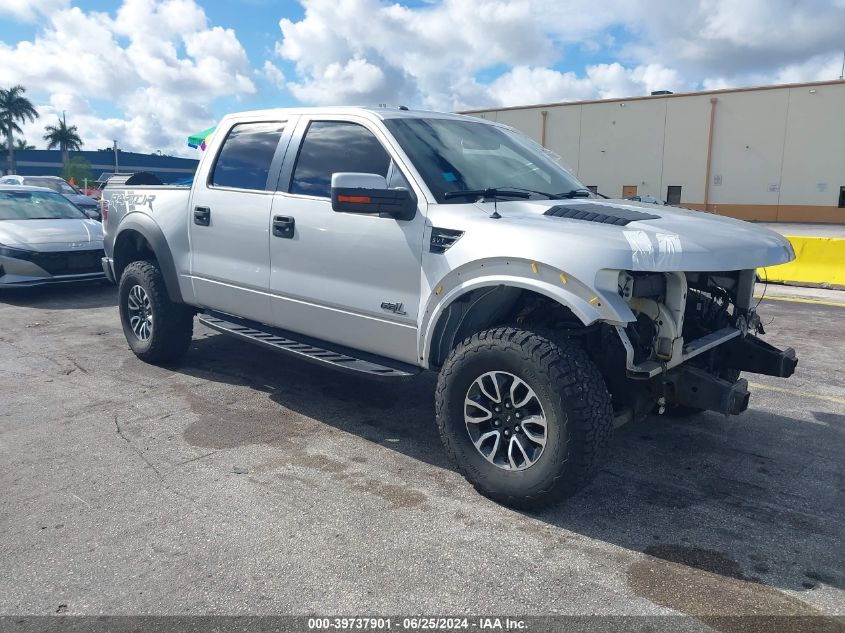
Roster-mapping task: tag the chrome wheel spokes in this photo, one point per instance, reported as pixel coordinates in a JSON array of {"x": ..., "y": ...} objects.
[
  {"x": 140, "y": 312},
  {"x": 505, "y": 420}
]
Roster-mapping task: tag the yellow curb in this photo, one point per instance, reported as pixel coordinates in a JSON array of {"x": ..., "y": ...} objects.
[
  {"x": 818, "y": 260},
  {"x": 820, "y": 302}
]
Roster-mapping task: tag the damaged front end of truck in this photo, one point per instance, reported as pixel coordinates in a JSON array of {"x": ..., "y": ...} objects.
[{"x": 694, "y": 333}]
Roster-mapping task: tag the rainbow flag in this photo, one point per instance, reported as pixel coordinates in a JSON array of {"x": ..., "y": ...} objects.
[{"x": 200, "y": 139}]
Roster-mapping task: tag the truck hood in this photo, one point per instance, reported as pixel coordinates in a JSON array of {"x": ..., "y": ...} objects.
[
  {"x": 81, "y": 200},
  {"x": 29, "y": 233},
  {"x": 673, "y": 239}
]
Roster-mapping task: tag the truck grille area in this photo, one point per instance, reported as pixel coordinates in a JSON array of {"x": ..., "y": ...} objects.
[{"x": 69, "y": 262}]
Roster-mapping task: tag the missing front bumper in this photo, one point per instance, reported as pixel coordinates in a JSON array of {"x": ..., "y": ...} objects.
[
  {"x": 694, "y": 387},
  {"x": 755, "y": 356}
]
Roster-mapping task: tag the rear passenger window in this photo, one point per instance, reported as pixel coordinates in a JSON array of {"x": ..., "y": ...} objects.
[
  {"x": 244, "y": 162},
  {"x": 335, "y": 146}
]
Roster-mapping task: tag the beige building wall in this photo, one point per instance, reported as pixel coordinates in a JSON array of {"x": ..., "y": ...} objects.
[
  {"x": 685, "y": 151},
  {"x": 814, "y": 152},
  {"x": 777, "y": 153},
  {"x": 622, "y": 145}
]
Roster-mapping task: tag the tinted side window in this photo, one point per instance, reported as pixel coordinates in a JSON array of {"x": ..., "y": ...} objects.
[
  {"x": 244, "y": 161},
  {"x": 335, "y": 146}
]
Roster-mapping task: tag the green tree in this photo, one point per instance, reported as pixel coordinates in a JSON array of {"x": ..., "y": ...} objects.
[
  {"x": 14, "y": 108},
  {"x": 79, "y": 169},
  {"x": 20, "y": 143},
  {"x": 65, "y": 137}
]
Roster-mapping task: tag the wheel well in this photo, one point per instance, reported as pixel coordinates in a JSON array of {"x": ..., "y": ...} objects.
[
  {"x": 130, "y": 246},
  {"x": 484, "y": 308}
]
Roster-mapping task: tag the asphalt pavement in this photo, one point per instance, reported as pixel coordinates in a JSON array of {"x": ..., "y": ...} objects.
[{"x": 241, "y": 481}]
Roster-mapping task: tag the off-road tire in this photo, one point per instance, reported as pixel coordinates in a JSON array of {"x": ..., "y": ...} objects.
[
  {"x": 574, "y": 398},
  {"x": 173, "y": 323}
]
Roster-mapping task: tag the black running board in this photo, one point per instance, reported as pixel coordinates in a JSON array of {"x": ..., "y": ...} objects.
[{"x": 307, "y": 348}]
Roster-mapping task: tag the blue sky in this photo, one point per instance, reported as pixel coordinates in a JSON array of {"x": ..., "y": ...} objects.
[{"x": 150, "y": 71}]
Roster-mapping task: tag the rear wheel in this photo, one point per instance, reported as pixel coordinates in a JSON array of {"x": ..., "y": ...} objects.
[
  {"x": 525, "y": 419},
  {"x": 157, "y": 329}
]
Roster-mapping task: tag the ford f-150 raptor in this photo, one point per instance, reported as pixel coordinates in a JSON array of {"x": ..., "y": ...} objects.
[{"x": 388, "y": 242}]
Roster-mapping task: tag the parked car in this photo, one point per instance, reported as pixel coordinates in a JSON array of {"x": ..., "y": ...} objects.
[
  {"x": 89, "y": 205},
  {"x": 649, "y": 199},
  {"x": 387, "y": 243},
  {"x": 45, "y": 239}
]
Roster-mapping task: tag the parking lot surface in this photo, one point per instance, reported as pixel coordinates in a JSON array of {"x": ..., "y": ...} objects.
[{"x": 245, "y": 482}]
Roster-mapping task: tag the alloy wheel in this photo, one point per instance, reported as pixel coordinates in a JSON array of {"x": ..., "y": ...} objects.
[
  {"x": 505, "y": 420},
  {"x": 140, "y": 312}
]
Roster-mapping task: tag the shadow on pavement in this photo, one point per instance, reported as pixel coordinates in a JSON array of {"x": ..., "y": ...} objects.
[
  {"x": 756, "y": 498},
  {"x": 81, "y": 296}
]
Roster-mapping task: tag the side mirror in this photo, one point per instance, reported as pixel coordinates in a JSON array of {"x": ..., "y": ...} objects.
[
  {"x": 92, "y": 215},
  {"x": 368, "y": 193}
]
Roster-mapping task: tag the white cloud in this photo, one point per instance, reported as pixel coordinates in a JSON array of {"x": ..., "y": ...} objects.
[
  {"x": 30, "y": 10},
  {"x": 431, "y": 56},
  {"x": 356, "y": 81},
  {"x": 523, "y": 85},
  {"x": 158, "y": 61},
  {"x": 273, "y": 74}
]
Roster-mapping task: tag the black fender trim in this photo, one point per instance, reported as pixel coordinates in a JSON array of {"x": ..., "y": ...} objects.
[{"x": 144, "y": 225}]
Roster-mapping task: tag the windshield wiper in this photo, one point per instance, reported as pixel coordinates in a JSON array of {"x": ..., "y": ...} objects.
[
  {"x": 548, "y": 195},
  {"x": 487, "y": 194},
  {"x": 575, "y": 193},
  {"x": 503, "y": 192}
]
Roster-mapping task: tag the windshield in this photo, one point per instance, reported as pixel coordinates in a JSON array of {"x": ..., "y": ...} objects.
[
  {"x": 37, "y": 205},
  {"x": 56, "y": 184},
  {"x": 453, "y": 155}
]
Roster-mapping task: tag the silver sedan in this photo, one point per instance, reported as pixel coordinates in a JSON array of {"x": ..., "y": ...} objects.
[{"x": 45, "y": 239}]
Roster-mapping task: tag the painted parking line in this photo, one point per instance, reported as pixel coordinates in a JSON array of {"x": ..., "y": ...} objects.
[
  {"x": 821, "y": 302},
  {"x": 796, "y": 392}
]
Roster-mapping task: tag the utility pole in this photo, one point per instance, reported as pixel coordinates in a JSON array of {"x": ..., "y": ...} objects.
[
  {"x": 842, "y": 72},
  {"x": 116, "y": 164}
]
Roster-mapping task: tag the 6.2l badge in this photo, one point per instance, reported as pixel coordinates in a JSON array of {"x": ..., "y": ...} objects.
[{"x": 396, "y": 308}]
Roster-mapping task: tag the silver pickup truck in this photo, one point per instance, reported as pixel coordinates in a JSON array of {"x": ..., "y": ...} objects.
[{"x": 388, "y": 242}]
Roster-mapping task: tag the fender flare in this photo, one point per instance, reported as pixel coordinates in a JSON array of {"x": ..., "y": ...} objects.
[
  {"x": 145, "y": 226},
  {"x": 587, "y": 304}
]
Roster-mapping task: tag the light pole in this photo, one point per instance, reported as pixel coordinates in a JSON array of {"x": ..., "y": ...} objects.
[{"x": 116, "y": 163}]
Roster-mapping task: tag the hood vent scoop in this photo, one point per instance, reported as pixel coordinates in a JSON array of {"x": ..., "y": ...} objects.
[{"x": 601, "y": 213}]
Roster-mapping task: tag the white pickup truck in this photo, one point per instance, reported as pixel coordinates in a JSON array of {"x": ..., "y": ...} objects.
[{"x": 389, "y": 242}]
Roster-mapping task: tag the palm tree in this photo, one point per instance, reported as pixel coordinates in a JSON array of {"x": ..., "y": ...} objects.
[
  {"x": 64, "y": 137},
  {"x": 20, "y": 143},
  {"x": 14, "y": 108}
]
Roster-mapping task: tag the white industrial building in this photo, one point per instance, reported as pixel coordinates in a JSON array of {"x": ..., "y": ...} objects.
[{"x": 773, "y": 153}]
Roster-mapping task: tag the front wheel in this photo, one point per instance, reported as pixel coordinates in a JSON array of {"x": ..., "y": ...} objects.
[
  {"x": 524, "y": 418},
  {"x": 157, "y": 329}
]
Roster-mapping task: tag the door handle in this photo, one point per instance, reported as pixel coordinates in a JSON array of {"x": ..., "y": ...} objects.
[
  {"x": 283, "y": 226},
  {"x": 202, "y": 216}
]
